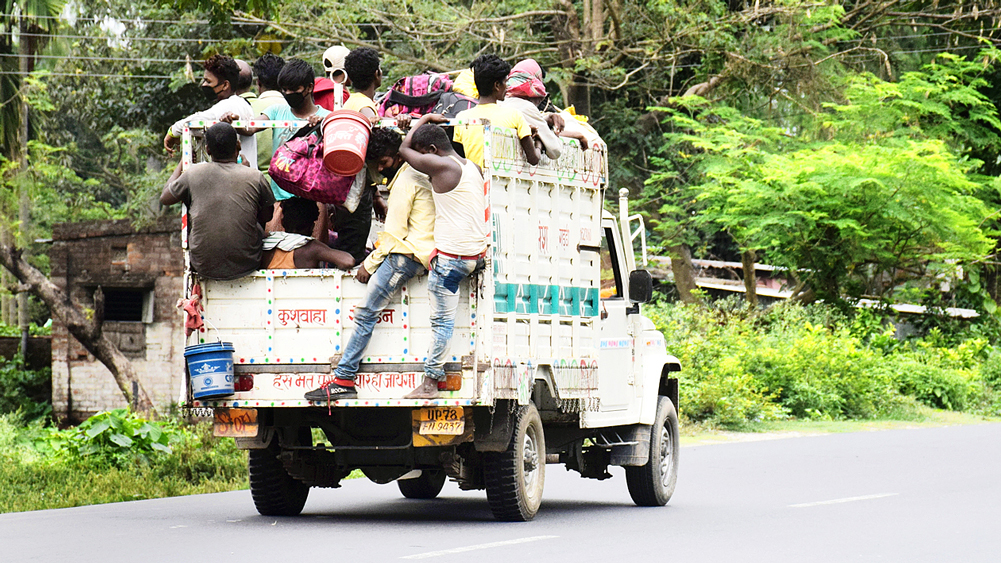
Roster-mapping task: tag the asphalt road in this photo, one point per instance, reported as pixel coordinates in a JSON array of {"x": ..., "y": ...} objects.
[{"x": 930, "y": 494}]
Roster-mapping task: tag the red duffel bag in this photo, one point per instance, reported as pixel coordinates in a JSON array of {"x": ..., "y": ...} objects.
[{"x": 297, "y": 167}]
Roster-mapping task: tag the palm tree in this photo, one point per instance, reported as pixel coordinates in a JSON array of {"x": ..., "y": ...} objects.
[
  {"x": 32, "y": 19},
  {"x": 21, "y": 18}
]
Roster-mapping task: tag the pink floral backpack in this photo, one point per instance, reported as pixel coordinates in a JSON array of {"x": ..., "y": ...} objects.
[{"x": 297, "y": 167}]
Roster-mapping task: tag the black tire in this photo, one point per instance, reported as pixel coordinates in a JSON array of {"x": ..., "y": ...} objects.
[
  {"x": 515, "y": 478},
  {"x": 426, "y": 487},
  {"x": 274, "y": 491},
  {"x": 653, "y": 484}
]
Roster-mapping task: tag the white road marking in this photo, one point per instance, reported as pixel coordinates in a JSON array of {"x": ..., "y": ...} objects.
[
  {"x": 841, "y": 500},
  {"x": 475, "y": 547}
]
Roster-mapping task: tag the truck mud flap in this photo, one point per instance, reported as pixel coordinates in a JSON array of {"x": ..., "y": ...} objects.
[
  {"x": 631, "y": 445},
  {"x": 494, "y": 426}
]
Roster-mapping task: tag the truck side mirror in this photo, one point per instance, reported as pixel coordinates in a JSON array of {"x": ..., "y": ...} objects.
[{"x": 640, "y": 286}]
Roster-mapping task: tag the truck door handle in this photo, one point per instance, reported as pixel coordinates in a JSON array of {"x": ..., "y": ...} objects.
[{"x": 588, "y": 248}]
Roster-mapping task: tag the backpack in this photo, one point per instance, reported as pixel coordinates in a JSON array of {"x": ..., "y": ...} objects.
[
  {"x": 451, "y": 103},
  {"x": 416, "y": 94},
  {"x": 297, "y": 167}
]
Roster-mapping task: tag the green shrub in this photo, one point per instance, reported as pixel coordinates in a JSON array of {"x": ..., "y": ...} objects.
[
  {"x": 990, "y": 370},
  {"x": 23, "y": 390},
  {"x": 46, "y": 468},
  {"x": 933, "y": 385},
  {"x": 740, "y": 366},
  {"x": 115, "y": 438}
]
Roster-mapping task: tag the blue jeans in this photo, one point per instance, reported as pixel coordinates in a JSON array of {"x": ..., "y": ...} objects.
[
  {"x": 443, "y": 288},
  {"x": 395, "y": 271}
]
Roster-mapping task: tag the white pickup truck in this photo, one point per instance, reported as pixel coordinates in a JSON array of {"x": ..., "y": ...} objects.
[{"x": 558, "y": 365}]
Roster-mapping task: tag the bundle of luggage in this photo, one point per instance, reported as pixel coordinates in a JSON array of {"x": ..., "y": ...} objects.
[{"x": 310, "y": 165}]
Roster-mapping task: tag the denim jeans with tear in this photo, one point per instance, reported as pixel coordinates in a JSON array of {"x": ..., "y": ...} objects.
[
  {"x": 443, "y": 288},
  {"x": 395, "y": 271}
]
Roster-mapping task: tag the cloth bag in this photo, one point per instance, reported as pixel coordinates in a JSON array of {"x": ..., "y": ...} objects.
[{"x": 297, "y": 167}]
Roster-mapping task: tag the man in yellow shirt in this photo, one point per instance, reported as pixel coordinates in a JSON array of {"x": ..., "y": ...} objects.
[
  {"x": 490, "y": 74},
  {"x": 365, "y": 74},
  {"x": 403, "y": 252}
]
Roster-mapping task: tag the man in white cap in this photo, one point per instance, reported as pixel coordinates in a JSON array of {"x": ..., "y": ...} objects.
[{"x": 333, "y": 67}]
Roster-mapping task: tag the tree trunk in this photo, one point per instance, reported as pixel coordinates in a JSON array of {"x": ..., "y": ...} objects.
[
  {"x": 684, "y": 272},
  {"x": 86, "y": 329},
  {"x": 747, "y": 259}
]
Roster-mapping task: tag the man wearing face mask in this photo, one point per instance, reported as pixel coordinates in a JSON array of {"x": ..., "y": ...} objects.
[
  {"x": 219, "y": 84},
  {"x": 295, "y": 82}
]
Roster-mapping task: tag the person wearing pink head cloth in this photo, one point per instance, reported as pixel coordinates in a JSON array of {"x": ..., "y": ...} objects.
[{"x": 527, "y": 93}]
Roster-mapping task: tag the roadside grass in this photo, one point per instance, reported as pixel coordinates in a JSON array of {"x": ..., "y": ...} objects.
[
  {"x": 694, "y": 433},
  {"x": 36, "y": 476}
]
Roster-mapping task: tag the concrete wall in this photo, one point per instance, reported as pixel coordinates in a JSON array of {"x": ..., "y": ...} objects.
[{"x": 114, "y": 256}]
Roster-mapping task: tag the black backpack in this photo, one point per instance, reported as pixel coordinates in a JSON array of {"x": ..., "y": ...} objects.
[{"x": 451, "y": 103}]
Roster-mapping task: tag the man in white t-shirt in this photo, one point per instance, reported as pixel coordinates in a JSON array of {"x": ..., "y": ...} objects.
[{"x": 219, "y": 85}]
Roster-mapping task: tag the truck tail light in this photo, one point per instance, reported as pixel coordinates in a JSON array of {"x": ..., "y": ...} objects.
[
  {"x": 453, "y": 382},
  {"x": 244, "y": 382}
]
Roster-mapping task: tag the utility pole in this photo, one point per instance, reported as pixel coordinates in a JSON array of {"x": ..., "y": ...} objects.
[{"x": 26, "y": 61}]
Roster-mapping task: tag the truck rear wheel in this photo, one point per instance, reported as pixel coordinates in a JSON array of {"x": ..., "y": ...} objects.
[
  {"x": 427, "y": 486},
  {"x": 653, "y": 484},
  {"x": 514, "y": 478},
  {"x": 275, "y": 492}
]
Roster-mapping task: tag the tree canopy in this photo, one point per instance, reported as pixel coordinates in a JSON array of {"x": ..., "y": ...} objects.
[{"x": 853, "y": 142}]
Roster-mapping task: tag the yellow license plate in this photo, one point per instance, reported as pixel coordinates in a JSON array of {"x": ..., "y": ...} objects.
[
  {"x": 235, "y": 423},
  {"x": 442, "y": 420}
]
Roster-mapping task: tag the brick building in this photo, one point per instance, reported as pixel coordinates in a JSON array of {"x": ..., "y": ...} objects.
[{"x": 141, "y": 273}]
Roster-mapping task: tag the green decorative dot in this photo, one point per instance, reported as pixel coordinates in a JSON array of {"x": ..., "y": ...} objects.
[
  {"x": 272, "y": 403},
  {"x": 338, "y": 333},
  {"x": 202, "y": 340},
  {"x": 269, "y": 337},
  {"x": 404, "y": 338},
  {"x": 302, "y": 359},
  {"x": 337, "y": 299},
  {"x": 266, "y": 360},
  {"x": 269, "y": 301}
]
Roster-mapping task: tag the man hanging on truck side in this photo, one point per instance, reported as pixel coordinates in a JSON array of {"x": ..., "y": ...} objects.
[{"x": 461, "y": 234}]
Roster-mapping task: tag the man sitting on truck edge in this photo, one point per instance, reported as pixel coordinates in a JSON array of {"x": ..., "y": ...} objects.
[
  {"x": 404, "y": 251},
  {"x": 228, "y": 206},
  {"x": 295, "y": 83},
  {"x": 219, "y": 85},
  {"x": 461, "y": 235},
  {"x": 365, "y": 73},
  {"x": 490, "y": 74},
  {"x": 294, "y": 247}
]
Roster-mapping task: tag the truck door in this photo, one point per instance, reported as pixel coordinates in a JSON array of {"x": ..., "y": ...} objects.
[{"x": 615, "y": 348}]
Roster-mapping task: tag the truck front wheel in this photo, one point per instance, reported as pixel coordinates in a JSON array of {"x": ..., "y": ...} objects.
[
  {"x": 514, "y": 478},
  {"x": 653, "y": 484},
  {"x": 426, "y": 487},
  {"x": 275, "y": 492}
]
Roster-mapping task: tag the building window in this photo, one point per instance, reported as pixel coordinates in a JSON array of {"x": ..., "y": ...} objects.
[{"x": 128, "y": 305}]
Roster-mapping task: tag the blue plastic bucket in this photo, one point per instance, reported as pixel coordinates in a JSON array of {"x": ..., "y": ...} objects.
[{"x": 211, "y": 369}]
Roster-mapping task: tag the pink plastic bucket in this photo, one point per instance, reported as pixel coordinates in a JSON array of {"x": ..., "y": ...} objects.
[{"x": 345, "y": 139}]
